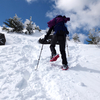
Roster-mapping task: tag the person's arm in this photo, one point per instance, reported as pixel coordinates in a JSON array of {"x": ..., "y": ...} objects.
[{"x": 48, "y": 33}]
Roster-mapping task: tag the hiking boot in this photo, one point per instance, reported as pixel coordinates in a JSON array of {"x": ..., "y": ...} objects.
[
  {"x": 65, "y": 67},
  {"x": 53, "y": 55}
]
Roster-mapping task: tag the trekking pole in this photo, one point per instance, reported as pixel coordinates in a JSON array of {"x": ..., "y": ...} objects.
[
  {"x": 67, "y": 48},
  {"x": 39, "y": 58}
]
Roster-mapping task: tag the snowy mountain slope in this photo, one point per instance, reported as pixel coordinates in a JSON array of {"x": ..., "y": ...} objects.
[{"x": 20, "y": 81}]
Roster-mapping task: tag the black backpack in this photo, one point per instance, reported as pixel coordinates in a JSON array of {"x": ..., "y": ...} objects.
[{"x": 2, "y": 39}]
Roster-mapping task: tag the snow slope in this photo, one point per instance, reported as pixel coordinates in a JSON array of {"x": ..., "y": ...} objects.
[{"x": 20, "y": 81}]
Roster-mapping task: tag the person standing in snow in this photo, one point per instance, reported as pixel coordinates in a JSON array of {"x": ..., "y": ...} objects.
[{"x": 60, "y": 31}]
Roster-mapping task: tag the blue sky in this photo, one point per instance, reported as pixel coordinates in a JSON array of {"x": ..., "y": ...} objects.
[
  {"x": 84, "y": 14},
  {"x": 24, "y": 9}
]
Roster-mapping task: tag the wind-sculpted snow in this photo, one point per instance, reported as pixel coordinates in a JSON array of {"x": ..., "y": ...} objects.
[{"x": 20, "y": 81}]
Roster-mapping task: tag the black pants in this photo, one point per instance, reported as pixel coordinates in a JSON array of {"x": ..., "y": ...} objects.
[{"x": 61, "y": 40}]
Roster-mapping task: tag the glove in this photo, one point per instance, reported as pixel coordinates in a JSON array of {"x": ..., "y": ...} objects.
[{"x": 43, "y": 40}]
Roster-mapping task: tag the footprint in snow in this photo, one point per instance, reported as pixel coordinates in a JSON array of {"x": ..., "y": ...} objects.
[
  {"x": 81, "y": 84},
  {"x": 22, "y": 84}
]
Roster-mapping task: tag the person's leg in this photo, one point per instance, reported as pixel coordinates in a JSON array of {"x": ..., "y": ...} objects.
[
  {"x": 52, "y": 46},
  {"x": 62, "y": 41}
]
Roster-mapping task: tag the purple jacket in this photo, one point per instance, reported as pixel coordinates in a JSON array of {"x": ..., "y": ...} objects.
[{"x": 58, "y": 19}]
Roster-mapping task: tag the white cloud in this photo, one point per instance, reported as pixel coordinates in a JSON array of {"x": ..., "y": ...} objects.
[
  {"x": 82, "y": 37},
  {"x": 29, "y": 1},
  {"x": 83, "y": 13}
]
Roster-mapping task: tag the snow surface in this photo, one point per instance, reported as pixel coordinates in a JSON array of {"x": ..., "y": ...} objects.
[{"x": 20, "y": 81}]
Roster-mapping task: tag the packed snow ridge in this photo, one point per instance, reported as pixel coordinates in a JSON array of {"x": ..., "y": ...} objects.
[{"x": 20, "y": 81}]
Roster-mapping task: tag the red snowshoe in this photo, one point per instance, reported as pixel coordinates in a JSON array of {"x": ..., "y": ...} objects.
[{"x": 54, "y": 58}]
